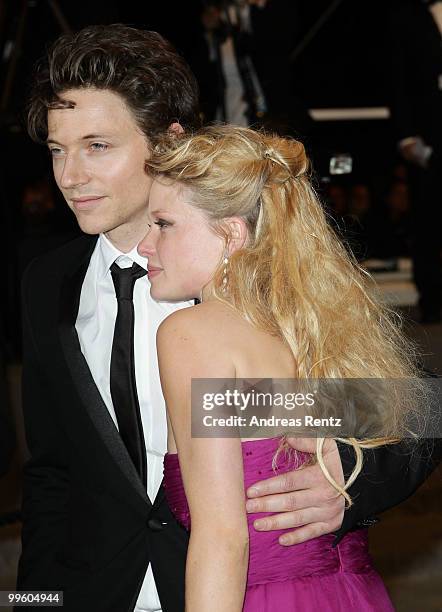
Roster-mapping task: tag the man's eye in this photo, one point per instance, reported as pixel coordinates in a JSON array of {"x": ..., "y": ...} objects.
[
  {"x": 99, "y": 146},
  {"x": 55, "y": 152}
]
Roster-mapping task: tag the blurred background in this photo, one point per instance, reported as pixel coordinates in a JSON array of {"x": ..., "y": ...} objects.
[{"x": 360, "y": 84}]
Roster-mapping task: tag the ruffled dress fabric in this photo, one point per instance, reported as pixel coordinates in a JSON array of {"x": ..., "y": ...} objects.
[{"x": 308, "y": 577}]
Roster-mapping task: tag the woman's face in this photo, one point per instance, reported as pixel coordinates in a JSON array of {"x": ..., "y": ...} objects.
[{"x": 182, "y": 249}]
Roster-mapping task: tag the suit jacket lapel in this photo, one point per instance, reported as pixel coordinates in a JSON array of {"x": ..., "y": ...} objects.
[{"x": 93, "y": 403}]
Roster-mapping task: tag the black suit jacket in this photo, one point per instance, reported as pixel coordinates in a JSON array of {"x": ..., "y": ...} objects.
[{"x": 89, "y": 528}]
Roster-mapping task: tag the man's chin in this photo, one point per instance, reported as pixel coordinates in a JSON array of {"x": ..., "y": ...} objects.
[{"x": 88, "y": 226}]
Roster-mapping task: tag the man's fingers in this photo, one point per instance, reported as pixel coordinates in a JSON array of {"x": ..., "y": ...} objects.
[
  {"x": 288, "y": 520},
  {"x": 329, "y": 515},
  {"x": 285, "y": 502},
  {"x": 303, "y": 534},
  {"x": 295, "y": 480},
  {"x": 303, "y": 445}
]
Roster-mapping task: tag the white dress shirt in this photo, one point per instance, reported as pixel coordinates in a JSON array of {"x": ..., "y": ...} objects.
[{"x": 95, "y": 327}]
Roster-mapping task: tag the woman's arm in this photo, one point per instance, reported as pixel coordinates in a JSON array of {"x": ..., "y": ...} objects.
[{"x": 212, "y": 469}]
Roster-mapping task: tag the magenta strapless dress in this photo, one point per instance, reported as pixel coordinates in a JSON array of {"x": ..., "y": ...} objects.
[{"x": 308, "y": 577}]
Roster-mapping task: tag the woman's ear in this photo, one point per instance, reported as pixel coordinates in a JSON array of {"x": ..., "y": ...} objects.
[{"x": 237, "y": 232}]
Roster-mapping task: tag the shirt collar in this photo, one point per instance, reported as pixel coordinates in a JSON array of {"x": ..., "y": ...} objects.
[{"x": 109, "y": 253}]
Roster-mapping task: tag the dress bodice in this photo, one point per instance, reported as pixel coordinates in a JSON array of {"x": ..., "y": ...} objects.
[{"x": 270, "y": 561}]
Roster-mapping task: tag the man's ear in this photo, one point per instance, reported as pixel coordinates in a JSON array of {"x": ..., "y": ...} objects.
[
  {"x": 176, "y": 127},
  {"x": 237, "y": 232}
]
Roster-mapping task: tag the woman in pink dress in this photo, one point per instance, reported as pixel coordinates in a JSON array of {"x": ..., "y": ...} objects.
[{"x": 236, "y": 224}]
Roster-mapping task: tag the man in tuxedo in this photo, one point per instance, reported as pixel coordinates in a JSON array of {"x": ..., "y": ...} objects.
[{"x": 95, "y": 521}]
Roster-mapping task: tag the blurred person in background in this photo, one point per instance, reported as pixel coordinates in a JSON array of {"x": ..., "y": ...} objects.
[
  {"x": 243, "y": 64},
  {"x": 416, "y": 107},
  {"x": 239, "y": 98}
]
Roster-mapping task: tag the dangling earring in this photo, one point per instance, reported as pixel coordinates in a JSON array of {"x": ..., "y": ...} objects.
[{"x": 225, "y": 271}]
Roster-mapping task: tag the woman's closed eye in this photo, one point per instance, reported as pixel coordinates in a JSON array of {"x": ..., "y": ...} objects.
[{"x": 162, "y": 223}]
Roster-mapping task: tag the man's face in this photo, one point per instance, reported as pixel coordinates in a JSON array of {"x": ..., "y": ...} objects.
[{"x": 98, "y": 155}]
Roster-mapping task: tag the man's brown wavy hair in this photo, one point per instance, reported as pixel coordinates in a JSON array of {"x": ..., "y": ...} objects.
[{"x": 141, "y": 66}]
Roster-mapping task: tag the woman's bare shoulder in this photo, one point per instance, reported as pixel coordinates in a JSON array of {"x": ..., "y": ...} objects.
[
  {"x": 195, "y": 339},
  {"x": 207, "y": 320}
]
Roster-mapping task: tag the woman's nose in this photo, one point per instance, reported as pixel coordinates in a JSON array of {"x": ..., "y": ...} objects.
[{"x": 146, "y": 248}]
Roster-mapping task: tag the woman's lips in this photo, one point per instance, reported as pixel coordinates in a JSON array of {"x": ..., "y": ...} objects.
[
  {"x": 87, "y": 202},
  {"x": 152, "y": 271}
]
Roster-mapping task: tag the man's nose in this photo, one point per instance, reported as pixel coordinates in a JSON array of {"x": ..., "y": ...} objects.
[
  {"x": 73, "y": 173},
  {"x": 146, "y": 248}
]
